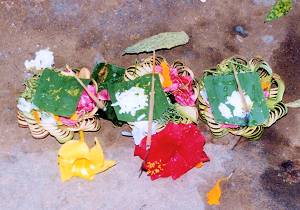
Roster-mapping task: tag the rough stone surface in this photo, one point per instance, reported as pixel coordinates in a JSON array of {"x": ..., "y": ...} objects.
[{"x": 82, "y": 32}]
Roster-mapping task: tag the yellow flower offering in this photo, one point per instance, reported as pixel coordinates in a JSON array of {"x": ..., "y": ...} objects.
[{"x": 76, "y": 159}]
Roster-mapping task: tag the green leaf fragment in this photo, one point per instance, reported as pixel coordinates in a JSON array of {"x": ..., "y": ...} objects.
[
  {"x": 281, "y": 8},
  {"x": 57, "y": 93},
  {"x": 105, "y": 74},
  {"x": 165, "y": 40},
  {"x": 294, "y": 104},
  {"x": 30, "y": 88},
  {"x": 110, "y": 114}
]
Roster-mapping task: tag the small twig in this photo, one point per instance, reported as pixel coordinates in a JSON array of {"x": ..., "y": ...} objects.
[
  {"x": 237, "y": 143},
  {"x": 151, "y": 108},
  {"x": 230, "y": 175}
]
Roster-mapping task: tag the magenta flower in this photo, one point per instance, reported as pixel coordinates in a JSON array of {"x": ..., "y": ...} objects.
[
  {"x": 103, "y": 95},
  {"x": 86, "y": 103},
  {"x": 183, "y": 90}
]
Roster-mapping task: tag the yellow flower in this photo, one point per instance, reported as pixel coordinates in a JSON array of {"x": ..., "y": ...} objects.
[{"x": 76, "y": 159}]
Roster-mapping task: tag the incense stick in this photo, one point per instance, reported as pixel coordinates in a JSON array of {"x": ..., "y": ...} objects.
[
  {"x": 151, "y": 108},
  {"x": 150, "y": 116}
]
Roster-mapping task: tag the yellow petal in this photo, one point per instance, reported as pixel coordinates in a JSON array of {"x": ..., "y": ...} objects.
[
  {"x": 65, "y": 170},
  {"x": 73, "y": 150},
  {"x": 57, "y": 119},
  {"x": 199, "y": 165},
  {"x": 74, "y": 117},
  {"x": 167, "y": 82},
  {"x": 36, "y": 116},
  {"x": 82, "y": 168},
  {"x": 214, "y": 195},
  {"x": 265, "y": 83},
  {"x": 96, "y": 156}
]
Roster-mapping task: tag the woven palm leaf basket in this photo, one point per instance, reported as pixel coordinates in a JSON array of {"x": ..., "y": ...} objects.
[
  {"x": 145, "y": 67},
  {"x": 271, "y": 85},
  {"x": 42, "y": 123}
]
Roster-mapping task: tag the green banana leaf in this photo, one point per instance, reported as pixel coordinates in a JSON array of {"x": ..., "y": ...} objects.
[
  {"x": 57, "y": 93},
  {"x": 220, "y": 88}
]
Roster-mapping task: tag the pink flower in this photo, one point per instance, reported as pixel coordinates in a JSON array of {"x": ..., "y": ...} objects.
[
  {"x": 229, "y": 126},
  {"x": 103, "y": 95},
  {"x": 182, "y": 89},
  {"x": 86, "y": 103},
  {"x": 158, "y": 69},
  {"x": 67, "y": 121},
  {"x": 266, "y": 94}
]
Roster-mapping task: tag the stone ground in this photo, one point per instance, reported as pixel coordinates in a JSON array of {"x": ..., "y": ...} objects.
[{"x": 83, "y": 32}]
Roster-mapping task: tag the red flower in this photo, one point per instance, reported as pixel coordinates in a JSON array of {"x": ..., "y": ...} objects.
[{"x": 174, "y": 151}]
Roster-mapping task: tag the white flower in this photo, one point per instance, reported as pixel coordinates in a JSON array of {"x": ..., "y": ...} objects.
[
  {"x": 140, "y": 130},
  {"x": 47, "y": 119},
  {"x": 235, "y": 100},
  {"x": 25, "y": 106},
  {"x": 203, "y": 94},
  {"x": 43, "y": 59},
  {"x": 131, "y": 101}
]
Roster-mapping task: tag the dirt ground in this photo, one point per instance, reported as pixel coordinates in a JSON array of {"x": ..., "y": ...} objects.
[{"x": 83, "y": 32}]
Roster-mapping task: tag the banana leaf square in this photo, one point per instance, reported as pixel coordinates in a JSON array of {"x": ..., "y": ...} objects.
[
  {"x": 57, "y": 93},
  {"x": 226, "y": 102},
  {"x": 131, "y": 99}
]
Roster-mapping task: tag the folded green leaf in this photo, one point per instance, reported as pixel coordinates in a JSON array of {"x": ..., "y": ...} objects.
[
  {"x": 104, "y": 74},
  {"x": 294, "y": 104},
  {"x": 57, "y": 93},
  {"x": 221, "y": 91},
  {"x": 281, "y": 8},
  {"x": 165, "y": 40}
]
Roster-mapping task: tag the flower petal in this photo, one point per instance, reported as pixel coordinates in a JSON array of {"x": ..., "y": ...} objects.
[{"x": 103, "y": 95}]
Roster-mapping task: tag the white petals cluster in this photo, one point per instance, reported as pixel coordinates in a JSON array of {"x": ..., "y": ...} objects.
[
  {"x": 131, "y": 101},
  {"x": 43, "y": 59}
]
